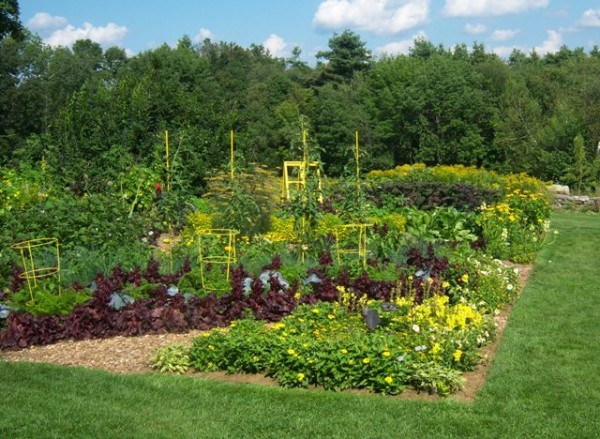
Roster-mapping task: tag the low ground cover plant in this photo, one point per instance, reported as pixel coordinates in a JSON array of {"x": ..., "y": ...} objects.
[{"x": 328, "y": 345}]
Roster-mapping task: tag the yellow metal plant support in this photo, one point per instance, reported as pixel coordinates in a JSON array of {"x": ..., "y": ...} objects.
[
  {"x": 40, "y": 259},
  {"x": 293, "y": 184},
  {"x": 299, "y": 183},
  {"x": 351, "y": 239},
  {"x": 169, "y": 239},
  {"x": 216, "y": 247},
  {"x": 167, "y": 163},
  {"x": 357, "y": 158},
  {"x": 231, "y": 155}
]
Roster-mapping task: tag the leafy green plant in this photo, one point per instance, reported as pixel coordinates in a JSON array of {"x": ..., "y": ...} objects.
[
  {"x": 171, "y": 359},
  {"x": 47, "y": 300},
  {"x": 141, "y": 291},
  {"x": 435, "y": 378}
]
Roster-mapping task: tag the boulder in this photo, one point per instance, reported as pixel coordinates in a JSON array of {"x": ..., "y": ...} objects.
[{"x": 559, "y": 189}]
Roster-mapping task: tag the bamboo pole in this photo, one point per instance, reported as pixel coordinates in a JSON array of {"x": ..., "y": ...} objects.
[
  {"x": 231, "y": 155},
  {"x": 168, "y": 165},
  {"x": 357, "y": 158}
]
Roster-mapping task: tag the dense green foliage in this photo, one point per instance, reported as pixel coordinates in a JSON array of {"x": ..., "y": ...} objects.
[
  {"x": 93, "y": 114},
  {"x": 554, "y": 323}
]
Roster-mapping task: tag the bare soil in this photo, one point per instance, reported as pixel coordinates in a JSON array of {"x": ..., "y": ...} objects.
[{"x": 134, "y": 354}]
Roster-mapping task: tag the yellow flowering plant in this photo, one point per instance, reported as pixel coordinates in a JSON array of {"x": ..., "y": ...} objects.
[{"x": 328, "y": 345}]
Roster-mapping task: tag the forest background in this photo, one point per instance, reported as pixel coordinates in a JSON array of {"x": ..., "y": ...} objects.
[{"x": 91, "y": 117}]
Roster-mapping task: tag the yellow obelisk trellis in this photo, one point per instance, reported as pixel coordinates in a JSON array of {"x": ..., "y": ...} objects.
[
  {"x": 33, "y": 252},
  {"x": 303, "y": 166},
  {"x": 351, "y": 239},
  {"x": 300, "y": 182},
  {"x": 216, "y": 247}
]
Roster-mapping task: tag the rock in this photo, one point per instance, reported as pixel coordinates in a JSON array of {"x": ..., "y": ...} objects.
[{"x": 559, "y": 189}]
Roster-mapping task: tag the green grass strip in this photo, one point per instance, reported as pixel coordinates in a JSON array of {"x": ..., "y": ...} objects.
[{"x": 544, "y": 382}]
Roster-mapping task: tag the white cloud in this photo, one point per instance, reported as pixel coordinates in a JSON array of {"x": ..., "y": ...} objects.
[
  {"x": 400, "y": 47},
  {"x": 475, "y": 29},
  {"x": 489, "y": 8},
  {"x": 382, "y": 17},
  {"x": 590, "y": 18},
  {"x": 111, "y": 33},
  {"x": 551, "y": 45},
  {"x": 276, "y": 45},
  {"x": 44, "y": 21},
  {"x": 504, "y": 34},
  {"x": 203, "y": 34},
  {"x": 505, "y": 51}
]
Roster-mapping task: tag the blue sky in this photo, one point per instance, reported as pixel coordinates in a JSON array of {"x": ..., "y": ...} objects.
[{"x": 387, "y": 26}]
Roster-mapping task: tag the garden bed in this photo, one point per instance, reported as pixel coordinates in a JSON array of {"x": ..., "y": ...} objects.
[{"x": 134, "y": 354}]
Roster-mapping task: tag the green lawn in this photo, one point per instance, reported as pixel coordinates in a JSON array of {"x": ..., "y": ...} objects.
[{"x": 544, "y": 383}]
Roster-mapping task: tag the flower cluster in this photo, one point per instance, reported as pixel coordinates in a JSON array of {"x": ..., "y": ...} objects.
[
  {"x": 515, "y": 228},
  {"x": 19, "y": 188},
  {"x": 282, "y": 230}
]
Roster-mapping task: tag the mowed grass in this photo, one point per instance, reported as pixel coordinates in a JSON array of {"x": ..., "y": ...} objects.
[{"x": 544, "y": 382}]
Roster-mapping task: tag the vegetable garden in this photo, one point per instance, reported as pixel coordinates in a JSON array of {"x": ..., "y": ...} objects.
[{"x": 380, "y": 281}]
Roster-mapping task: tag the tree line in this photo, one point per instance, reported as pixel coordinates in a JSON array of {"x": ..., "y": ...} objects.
[{"x": 91, "y": 114}]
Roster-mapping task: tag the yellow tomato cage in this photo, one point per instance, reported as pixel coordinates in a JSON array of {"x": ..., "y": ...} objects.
[
  {"x": 351, "y": 239},
  {"x": 216, "y": 247},
  {"x": 40, "y": 259}
]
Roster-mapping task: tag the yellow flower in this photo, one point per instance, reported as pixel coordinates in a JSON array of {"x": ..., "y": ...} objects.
[
  {"x": 300, "y": 376},
  {"x": 344, "y": 351},
  {"x": 297, "y": 296},
  {"x": 291, "y": 351},
  {"x": 388, "y": 380},
  {"x": 445, "y": 284},
  {"x": 457, "y": 355},
  {"x": 330, "y": 316},
  {"x": 436, "y": 348},
  {"x": 279, "y": 325},
  {"x": 465, "y": 278},
  {"x": 316, "y": 310},
  {"x": 211, "y": 347},
  {"x": 387, "y": 353},
  {"x": 366, "y": 360}
]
